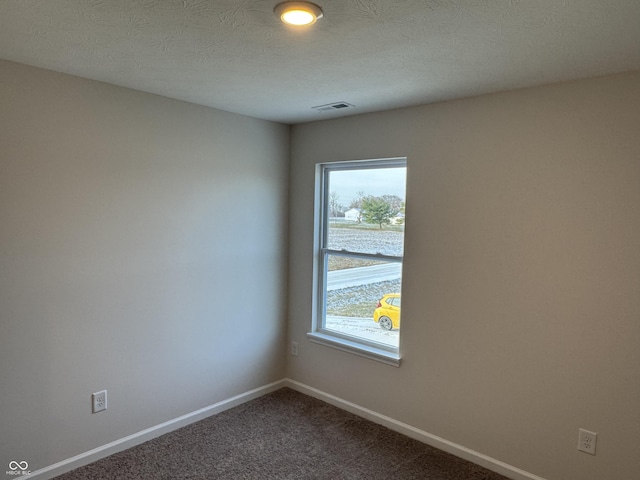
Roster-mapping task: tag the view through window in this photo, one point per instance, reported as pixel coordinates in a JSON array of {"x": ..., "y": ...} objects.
[{"x": 362, "y": 244}]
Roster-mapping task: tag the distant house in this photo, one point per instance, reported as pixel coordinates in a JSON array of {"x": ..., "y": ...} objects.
[
  {"x": 398, "y": 219},
  {"x": 353, "y": 214}
]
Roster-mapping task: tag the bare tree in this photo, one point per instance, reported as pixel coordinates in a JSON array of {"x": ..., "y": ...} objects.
[
  {"x": 395, "y": 202},
  {"x": 335, "y": 209},
  {"x": 357, "y": 202}
]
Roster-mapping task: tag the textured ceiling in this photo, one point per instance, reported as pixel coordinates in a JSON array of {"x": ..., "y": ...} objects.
[{"x": 375, "y": 54}]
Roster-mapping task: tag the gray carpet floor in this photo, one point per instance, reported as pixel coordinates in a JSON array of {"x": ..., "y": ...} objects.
[{"x": 282, "y": 435}]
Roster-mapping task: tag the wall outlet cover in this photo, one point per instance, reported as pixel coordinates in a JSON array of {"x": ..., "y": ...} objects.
[
  {"x": 587, "y": 441},
  {"x": 98, "y": 401}
]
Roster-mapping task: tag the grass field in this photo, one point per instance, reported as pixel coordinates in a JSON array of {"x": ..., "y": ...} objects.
[
  {"x": 337, "y": 262},
  {"x": 359, "y": 301},
  {"x": 365, "y": 226}
]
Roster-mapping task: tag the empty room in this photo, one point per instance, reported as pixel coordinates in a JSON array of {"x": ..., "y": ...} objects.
[{"x": 210, "y": 214}]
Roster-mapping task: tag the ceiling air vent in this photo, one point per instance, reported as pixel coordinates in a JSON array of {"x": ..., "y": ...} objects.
[{"x": 332, "y": 106}]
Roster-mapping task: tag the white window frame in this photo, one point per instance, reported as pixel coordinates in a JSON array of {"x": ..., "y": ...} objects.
[{"x": 356, "y": 345}]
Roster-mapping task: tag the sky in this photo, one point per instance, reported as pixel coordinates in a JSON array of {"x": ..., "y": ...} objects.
[{"x": 376, "y": 182}]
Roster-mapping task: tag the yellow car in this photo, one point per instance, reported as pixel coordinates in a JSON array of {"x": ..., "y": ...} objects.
[{"x": 387, "y": 312}]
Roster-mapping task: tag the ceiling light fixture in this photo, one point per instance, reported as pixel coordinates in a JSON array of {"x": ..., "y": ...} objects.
[{"x": 298, "y": 13}]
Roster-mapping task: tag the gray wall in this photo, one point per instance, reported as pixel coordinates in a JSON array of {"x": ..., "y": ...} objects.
[
  {"x": 142, "y": 250},
  {"x": 143, "y": 247},
  {"x": 521, "y": 308}
]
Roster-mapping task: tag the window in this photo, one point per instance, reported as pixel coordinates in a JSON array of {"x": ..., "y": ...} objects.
[{"x": 360, "y": 225}]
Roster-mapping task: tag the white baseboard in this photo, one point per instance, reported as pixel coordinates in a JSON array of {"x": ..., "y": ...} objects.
[
  {"x": 184, "y": 420},
  {"x": 415, "y": 433},
  {"x": 150, "y": 433}
]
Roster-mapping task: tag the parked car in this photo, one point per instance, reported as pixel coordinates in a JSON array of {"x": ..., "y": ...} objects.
[{"x": 387, "y": 312}]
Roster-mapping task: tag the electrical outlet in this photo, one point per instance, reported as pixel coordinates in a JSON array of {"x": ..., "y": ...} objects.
[
  {"x": 294, "y": 349},
  {"x": 98, "y": 401},
  {"x": 587, "y": 441}
]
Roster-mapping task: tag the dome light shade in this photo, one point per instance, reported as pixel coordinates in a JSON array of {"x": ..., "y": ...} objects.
[{"x": 298, "y": 13}]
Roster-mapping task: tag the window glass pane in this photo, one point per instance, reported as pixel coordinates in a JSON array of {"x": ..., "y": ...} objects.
[
  {"x": 355, "y": 287},
  {"x": 361, "y": 246},
  {"x": 365, "y": 210}
]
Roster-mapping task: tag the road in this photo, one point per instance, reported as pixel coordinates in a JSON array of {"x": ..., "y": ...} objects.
[{"x": 352, "y": 277}]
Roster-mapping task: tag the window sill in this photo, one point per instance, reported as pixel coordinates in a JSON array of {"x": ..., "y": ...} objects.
[{"x": 377, "y": 354}]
